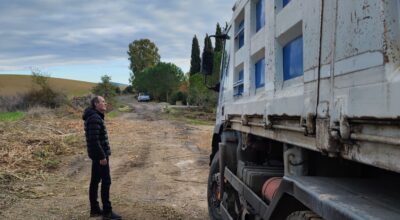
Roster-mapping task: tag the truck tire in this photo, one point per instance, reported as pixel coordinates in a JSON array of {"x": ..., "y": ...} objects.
[
  {"x": 213, "y": 197},
  {"x": 304, "y": 215}
]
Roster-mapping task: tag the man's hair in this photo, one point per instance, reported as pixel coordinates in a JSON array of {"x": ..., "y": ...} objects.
[{"x": 94, "y": 101}]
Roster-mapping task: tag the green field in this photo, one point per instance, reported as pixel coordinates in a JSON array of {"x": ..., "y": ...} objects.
[
  {"x": 18, "y": 84},
  {"x": 11, "y": 116}
]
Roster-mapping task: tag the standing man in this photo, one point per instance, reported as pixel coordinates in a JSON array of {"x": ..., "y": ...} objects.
[{"x": 98, "y": 149}]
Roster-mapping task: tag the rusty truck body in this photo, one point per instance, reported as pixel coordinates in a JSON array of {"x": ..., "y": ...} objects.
[{"x": 308, "y": 119}]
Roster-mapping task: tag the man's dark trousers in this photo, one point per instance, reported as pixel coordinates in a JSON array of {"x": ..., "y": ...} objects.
[{"x": 100, "y": 172}]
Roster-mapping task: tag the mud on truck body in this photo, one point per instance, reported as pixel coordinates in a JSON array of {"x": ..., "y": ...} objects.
[{"x": 308, "y": 119}]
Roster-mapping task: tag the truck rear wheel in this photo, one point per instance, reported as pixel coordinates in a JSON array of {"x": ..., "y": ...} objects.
[
  {"x": 213, "y": 194},
  {"x": 303, "y": 215}
]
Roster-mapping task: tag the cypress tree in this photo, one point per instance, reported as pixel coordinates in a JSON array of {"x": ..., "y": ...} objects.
[
  {"x": 208, "y": 51},
  {"x": 218, "y": 41},
  {"x": 195, "y": 61},
  {"x": 208, "y": 44}
]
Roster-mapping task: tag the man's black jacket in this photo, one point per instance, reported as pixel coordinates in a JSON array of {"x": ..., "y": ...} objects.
[{"x": 98, "y": 146}]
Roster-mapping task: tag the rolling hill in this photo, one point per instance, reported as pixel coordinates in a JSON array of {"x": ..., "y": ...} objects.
[{"x": 17, "y": 84}]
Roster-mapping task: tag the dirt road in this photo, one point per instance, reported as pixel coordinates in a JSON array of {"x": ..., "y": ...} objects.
[{"x": 159, "y": 170}]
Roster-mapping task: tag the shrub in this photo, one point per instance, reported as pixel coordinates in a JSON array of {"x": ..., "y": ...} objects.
[
  {"x": 199, "y": 94},
  {"x": 128, "y": 90},
  {"x": 51, "y": 163},
  {"x": 81, "y": 102},
  {"x": 39, "y": 111},
  {"x": 45, "y": 97},
  {"x": 12, "y": 103},
  {"x": 105, "y": 88},
  {"x": 178, "y": 96},
  {"x": 118, "y": 90}
]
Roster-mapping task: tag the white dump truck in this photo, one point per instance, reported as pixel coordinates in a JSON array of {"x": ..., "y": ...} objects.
[{"x": 308, "y": 119}]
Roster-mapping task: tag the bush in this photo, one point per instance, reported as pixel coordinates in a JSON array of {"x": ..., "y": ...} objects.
[
  {"x": 105, "y": 88},
  {"x": 45, "y": 97},
  {"x": 118, "y": 90},
  {"x": 81, "y": 102},
  {"x": 178, "y": 96},
  {"x": 199, "y": 94},
  {"x": 39, "y": 111},
  {"x": 128, "y": 90},
  {"x": 12, "y": 103}
]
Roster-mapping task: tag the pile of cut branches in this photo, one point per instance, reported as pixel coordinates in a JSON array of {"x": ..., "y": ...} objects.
[{"x": 38, "y": 143}]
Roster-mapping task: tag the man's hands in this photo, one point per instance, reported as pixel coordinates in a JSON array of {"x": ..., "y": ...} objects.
[{"x": 103, "y": 162}]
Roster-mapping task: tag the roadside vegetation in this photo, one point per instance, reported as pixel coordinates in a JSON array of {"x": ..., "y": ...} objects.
[
  {"x": 11, "y": 116},
  {"x": 191, "y": 115},
  {"x": 39, "y": 130},
  {"x": 165, "y": 82},
  {"x": 42, "y": 94},
  {"x": 33, "y": 144},
  {"x": 106, "y": 89},
  {"x": 41, "y": 125}
]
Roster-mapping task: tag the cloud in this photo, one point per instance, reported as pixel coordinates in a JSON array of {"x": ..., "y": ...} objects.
[{"x": 49, "y": 33}]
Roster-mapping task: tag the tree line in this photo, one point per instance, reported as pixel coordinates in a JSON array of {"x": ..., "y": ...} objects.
[
  {"x": 167, "y": 82},
  {"x": 162, "y": 81},
  {"x": 199, "y": 92}
]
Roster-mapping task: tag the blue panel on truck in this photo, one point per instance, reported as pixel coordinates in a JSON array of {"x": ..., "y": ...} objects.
[
  {"x": 293, "y": 59},
  {"x": 285, "y": 2},
  {"x": 260, "y": 73},
  {"x": 260, "y": 14}
]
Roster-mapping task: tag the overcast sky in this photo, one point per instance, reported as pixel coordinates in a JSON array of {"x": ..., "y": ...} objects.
[{"x": 85, "y": 39}]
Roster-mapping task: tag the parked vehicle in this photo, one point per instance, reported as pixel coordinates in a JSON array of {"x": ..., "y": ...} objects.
[
  {"x": 143, "y": 97},
  {"x": 308, "y": 119}
]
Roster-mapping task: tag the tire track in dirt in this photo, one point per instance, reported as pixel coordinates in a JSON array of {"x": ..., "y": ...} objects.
[
  {"x": 159, "y": 170},
  {"x": 156, "y": 163},
  {"x": 167, "y": 175}
]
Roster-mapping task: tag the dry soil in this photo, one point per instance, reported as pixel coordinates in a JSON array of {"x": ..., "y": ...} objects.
[{"x": 159, "y": 170}]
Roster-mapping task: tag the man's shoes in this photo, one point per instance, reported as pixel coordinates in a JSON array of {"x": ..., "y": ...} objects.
[
  {"x": 111, "y": 216},
  {"x": 96, "y": 212}
]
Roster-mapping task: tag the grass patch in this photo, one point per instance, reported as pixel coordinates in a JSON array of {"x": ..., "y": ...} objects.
[
  {"x": 125, "y": 108},
  {"x": 11, "y": 116},
  {"x": 41, "y": 154},
  {"x": 51, "y": 163},
  {"x": 171, "y": 111},
  {"x": 119, "y": 108},
  {"x": 112, "y": 114},
  {"x": 190, "y": 115},
  {"x": 73, "y": 140},
  {"x": 199, "y": 122},
  {"x": 47, "y": 157}
]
